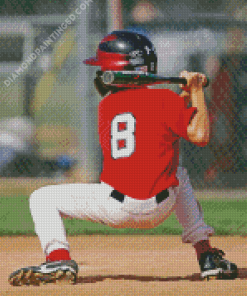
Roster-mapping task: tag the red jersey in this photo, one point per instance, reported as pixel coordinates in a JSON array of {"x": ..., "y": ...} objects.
[{"x": 139, "y": 133}]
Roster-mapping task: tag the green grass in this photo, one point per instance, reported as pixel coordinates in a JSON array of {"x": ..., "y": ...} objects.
[{"x": 227, "y": 216}]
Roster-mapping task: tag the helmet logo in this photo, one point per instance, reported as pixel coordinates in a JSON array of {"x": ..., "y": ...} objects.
[
  {"x": 147, "y": 49},
  {"x": 135, "y": 53}
]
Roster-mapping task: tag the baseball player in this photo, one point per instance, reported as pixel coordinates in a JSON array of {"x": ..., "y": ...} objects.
[{"x": 141, "y": 183}]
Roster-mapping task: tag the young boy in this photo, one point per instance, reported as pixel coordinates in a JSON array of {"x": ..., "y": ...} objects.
[{"x": 141, "y": 183}]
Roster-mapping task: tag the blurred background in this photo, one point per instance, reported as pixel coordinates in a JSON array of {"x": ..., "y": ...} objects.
[{"x": 48, "y": 104}]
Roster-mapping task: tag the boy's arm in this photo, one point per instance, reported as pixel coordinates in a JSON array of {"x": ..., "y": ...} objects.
[{"x": 198, "y": 129}]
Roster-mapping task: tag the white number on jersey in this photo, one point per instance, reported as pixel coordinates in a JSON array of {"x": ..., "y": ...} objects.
[{"x": 122, "y": 135}]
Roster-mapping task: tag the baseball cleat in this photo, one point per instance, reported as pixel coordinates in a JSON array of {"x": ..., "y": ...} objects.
[
  {"x": 213, "y": 266},
  {"x": 49, "y": 272}
]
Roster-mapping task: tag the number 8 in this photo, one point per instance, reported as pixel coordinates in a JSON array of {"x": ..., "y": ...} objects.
[{"x": 127, "y": 135}]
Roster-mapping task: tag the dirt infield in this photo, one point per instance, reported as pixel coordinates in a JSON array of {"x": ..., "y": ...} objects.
[{"x": 126, "y": 265}]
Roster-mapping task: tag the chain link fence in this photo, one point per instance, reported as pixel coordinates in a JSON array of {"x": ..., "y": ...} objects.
[{"x": 47, "y": 95}]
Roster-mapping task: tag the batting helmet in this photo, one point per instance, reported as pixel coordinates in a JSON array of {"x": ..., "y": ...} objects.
[{"x": 125, "y": 51}]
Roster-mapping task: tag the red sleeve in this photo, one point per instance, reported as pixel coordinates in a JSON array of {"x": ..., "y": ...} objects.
[{"x": 178, "y": 115}]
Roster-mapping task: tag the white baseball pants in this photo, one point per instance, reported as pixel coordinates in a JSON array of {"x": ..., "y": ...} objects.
[{"x": 93, "y": 202}]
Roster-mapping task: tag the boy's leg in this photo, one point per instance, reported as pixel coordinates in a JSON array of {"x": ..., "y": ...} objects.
[
  {"x": 197, "y": 232},
  {"x": 189, "y": 212},
  {"x": 47, "y": 206},
  {"x": 83, "y": 201}
]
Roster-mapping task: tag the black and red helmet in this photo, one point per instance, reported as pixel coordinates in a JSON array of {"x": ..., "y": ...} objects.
[{"x": 125, "y": 51}]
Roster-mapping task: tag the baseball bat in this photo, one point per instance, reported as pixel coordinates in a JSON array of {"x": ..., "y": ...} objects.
[{"x": 139, "y": 78}]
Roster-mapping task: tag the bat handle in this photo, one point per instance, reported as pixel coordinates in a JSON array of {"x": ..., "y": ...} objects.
[
  {"x": 180, "y": 81},
  {"x": 184, "y": 81}
]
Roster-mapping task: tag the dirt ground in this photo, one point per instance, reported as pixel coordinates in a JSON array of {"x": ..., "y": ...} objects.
[{"x": 126, "y": 265}]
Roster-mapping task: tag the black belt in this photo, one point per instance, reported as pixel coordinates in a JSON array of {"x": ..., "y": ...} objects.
[{"x": 159, "y": 197}]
